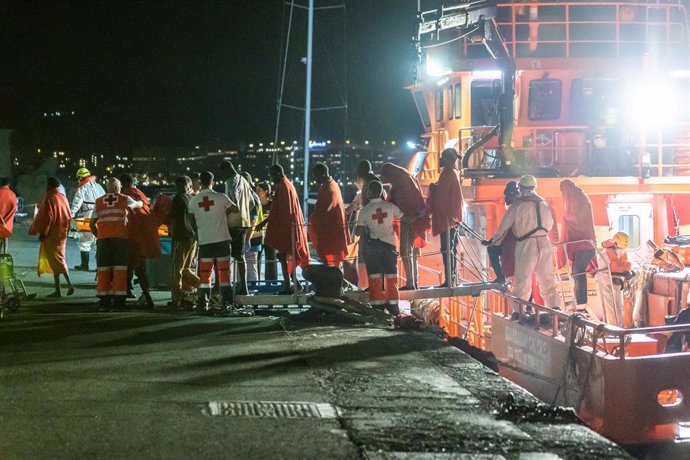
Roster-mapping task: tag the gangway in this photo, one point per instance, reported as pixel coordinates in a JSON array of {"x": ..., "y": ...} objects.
[{"x": 361, "y": 297}]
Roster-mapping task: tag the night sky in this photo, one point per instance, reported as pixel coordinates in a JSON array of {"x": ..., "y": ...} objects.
[{"x": 187, "y": 73}]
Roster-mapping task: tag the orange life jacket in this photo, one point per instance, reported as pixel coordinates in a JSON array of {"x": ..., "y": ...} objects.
[
  {"x": 111, "y": 210},
  {"x": 617, "y": 262}
]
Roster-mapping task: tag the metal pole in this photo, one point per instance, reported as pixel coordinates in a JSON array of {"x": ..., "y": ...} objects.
[
  {"x": 282, "y": 84},
  {"x": 307, "y": 109}
]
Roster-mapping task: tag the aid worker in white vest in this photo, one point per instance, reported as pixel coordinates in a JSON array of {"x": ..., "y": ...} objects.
[
  {"x": 83, "y": 204},
  {"x": 530, "y": 219}
]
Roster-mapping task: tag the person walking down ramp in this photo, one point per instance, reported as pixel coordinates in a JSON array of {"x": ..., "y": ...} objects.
[
  {"x": 51, "y": 224},
  {"x": 445, "y": 201},
  {"x": 407, "y": 195}
]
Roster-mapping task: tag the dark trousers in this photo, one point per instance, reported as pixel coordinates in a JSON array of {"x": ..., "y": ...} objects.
[
  {"x": 270, "y": 270},
  {"x": 581, "y": 260},
  {"x": 449, "y": 251},
  {"x": 495, "y": 260}
]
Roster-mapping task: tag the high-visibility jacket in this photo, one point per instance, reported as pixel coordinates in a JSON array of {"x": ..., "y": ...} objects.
[{"x": 111, "y": 212}]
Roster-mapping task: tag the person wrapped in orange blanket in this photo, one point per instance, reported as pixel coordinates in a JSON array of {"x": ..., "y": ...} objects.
[
  {"x": 142, "y": 237},
  {"x": 51, "y": 225},
  {"x": 286, "y": 220},
  {"x": 445, "y": 201},
  {"x": 327, "y": 227},
  {"x": 407, "y": 195},
  {"x": 8, "y": 208},
  {"x": 578, "y": 230}
]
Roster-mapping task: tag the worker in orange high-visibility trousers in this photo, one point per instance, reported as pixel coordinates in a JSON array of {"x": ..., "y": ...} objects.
[{"x": 109, "y": 226}]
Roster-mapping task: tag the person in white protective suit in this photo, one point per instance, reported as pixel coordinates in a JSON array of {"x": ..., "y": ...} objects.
[
  {"x": 530, "y": 219},
  {"x": 616, "y": 311},
  {"x": 83, "y": 204}
]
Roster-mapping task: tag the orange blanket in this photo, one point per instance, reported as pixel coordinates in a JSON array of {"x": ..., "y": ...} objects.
[
  {"x": 52, "y": 221},
  {"x": 327, "y": 227},
  {"x": 286, "y": 217},
  {"x": 445, "y": 199},
  {"x": 142, "y": 229},
  {"x": 407, "y": 195},
  {"x": 8, "y": 208}
]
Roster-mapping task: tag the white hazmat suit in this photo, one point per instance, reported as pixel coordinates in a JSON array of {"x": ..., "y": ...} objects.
[
  {"x": 533, "y": 254},
  {"x": 83, "y": 204}
]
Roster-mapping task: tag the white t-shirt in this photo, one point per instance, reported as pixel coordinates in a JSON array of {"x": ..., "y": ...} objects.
[
  {"x": 377, "y": 216},
  {"x": 210, "y": 209}
]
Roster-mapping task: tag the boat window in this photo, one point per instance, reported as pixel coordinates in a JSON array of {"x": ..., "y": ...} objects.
[
  {"x": 439, "y": 104},
  {"x": 421, "y": 108},
  {"x": 458, "y": 101},
  {"x": 595, "y": 102},
  {"x": 484, "y": 102},
  {"x": 451, "y": 106},
  {"x": 545, "y": 99},
  {"x": 630, "y": 224}
]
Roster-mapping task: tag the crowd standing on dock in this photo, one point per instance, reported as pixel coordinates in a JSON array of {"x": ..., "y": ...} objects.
[{"x": 223, "y": 232}]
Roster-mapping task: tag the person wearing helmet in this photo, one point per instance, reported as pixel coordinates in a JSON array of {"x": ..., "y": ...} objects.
[
  {"x": 615, "y": 257},
  {"x": 83, "y": 204},
  {"x": 530, "y": 219}
]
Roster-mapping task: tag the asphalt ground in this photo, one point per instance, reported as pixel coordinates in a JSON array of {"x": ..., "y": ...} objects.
[{"x": 79, "y": 383}]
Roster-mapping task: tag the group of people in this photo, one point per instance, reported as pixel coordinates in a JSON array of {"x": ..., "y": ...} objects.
[
  {"x": 217, "y": 222},
  {"x": 526, "y": 234}
]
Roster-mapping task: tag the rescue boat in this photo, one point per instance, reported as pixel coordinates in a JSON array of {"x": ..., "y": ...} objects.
[{"x": 597, "y": 92}]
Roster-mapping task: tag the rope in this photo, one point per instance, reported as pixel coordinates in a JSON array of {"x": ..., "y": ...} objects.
[{"x": 598, "y": 332}]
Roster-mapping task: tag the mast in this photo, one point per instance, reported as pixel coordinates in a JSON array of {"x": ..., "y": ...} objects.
[
  {"x": 282, "y": 82},
  {"x": 307, "y": 109}
]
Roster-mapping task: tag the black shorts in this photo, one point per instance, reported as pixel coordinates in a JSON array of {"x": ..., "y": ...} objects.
[
  {"x": 238, "y": 236},
  {"x": 381, "y": 258},
  {"x": 219, "y": 249}
]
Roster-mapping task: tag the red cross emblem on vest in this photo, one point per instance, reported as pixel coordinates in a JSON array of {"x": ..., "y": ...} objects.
[
  {"x": 379, "y": 216},
  {"x": 110, "y": 200},
  {"x": 206, "y": 204}
]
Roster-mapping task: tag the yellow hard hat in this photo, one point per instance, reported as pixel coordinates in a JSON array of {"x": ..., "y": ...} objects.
[
  {"x": 82, "y": 173},
  {"x": 528, "y": 180},
  {"x": 622, "y": 240}
]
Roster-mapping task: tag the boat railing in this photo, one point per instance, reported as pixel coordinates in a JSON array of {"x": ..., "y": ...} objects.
[
  {"x": 605, "y": 271},
  {"x": 570, "y": 29},
  {"x": 570, "y": 151},
  {"x": 591, "y": 328}
]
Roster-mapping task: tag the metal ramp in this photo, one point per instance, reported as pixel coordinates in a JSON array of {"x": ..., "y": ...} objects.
[
  {"x": 462, "y": 290},
  {"x": 362, "y": 297}
]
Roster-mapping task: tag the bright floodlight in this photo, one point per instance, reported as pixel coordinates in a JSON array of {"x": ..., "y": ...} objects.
[
  {"x": 653, "y": 103},
  {"x": 434, "y": 69},
  {"x": 411, "y": 145}
]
